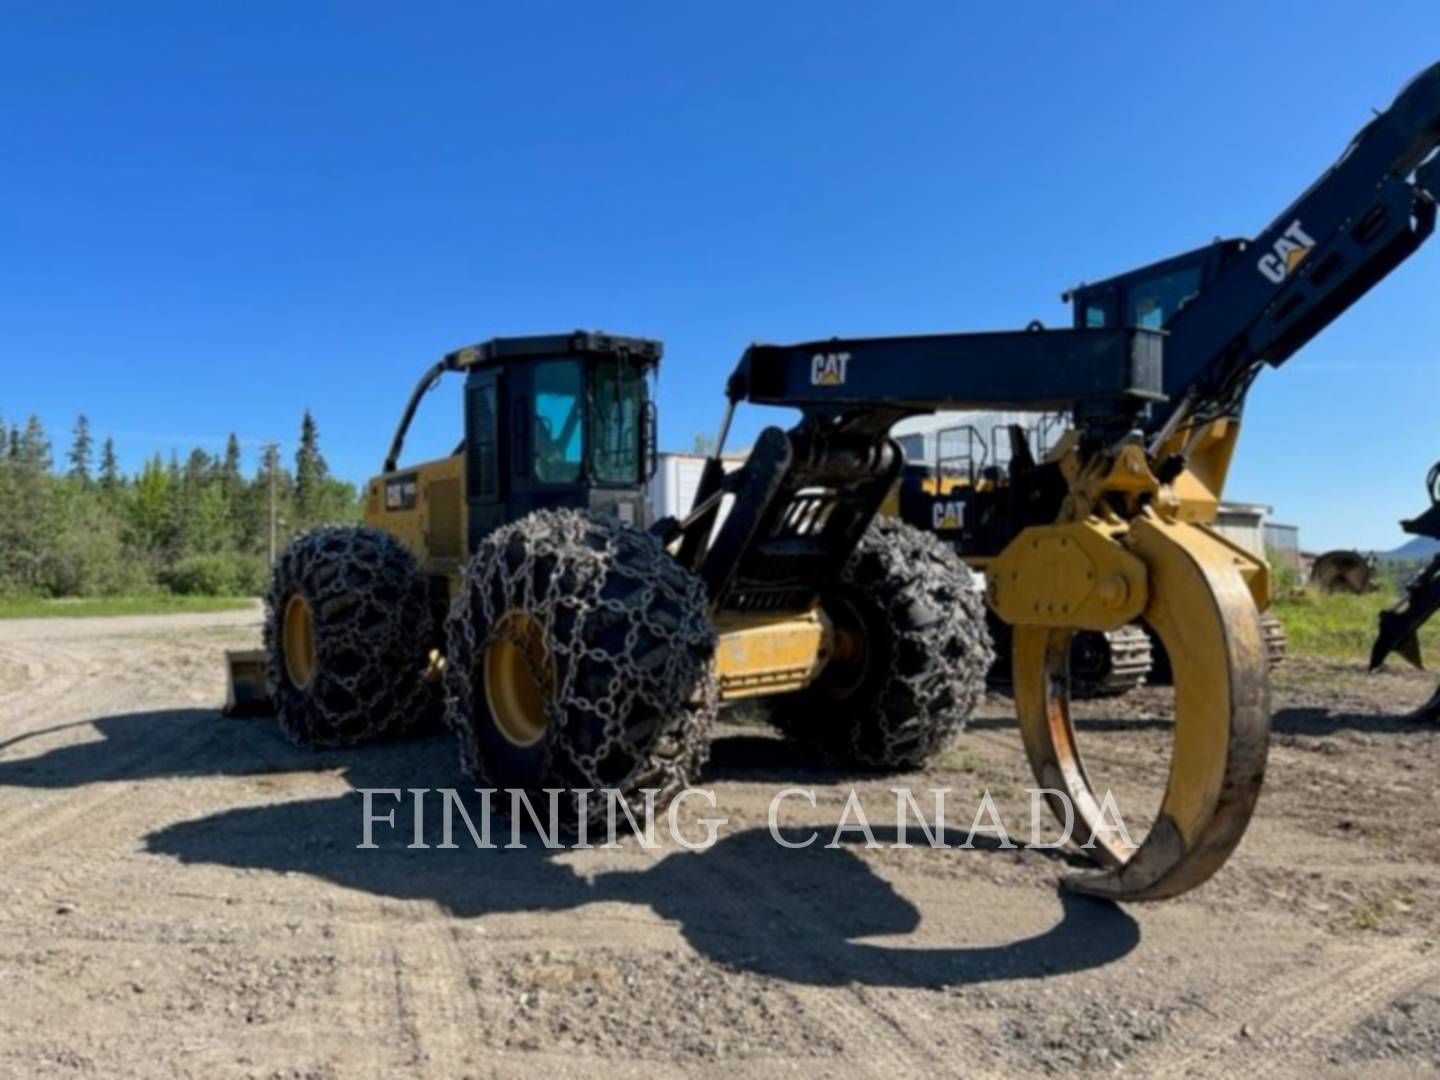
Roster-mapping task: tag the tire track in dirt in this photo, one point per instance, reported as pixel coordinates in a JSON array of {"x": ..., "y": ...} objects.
[
  {"x": 91, "y": 815},
  {"x": 864, "y": 1021},
  {"x": 50, "y": 675},
  {"x": 38, "y": 825},
  {"x": 70, "y": 848},
  {"x": 1281, "y": 1015},
  {"x": 21, "y": 675},
  {"x": 98, "y": 819},
  {"x": 435, "y": 1002},
  {"x": 369, "y": 986}
]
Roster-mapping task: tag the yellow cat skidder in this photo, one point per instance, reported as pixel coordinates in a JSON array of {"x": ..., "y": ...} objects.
[{"x": 582, "y": 650}]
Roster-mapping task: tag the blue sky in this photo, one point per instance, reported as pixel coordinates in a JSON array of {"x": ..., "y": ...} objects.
[{"x": 218, "y": 214}]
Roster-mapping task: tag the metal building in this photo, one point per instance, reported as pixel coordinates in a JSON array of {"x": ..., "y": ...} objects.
[{"x": 1282, "y": 543}]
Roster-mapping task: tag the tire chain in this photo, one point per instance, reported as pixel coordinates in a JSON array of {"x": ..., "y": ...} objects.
[
  {"x": 373, "y": 633},
  {"x": 581, "y": 576},
  {"x": 937, "y": 661},
  {"x": 898, "y": 564}
]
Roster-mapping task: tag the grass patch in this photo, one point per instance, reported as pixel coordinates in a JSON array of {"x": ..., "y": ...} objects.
[
  {"x": 35, "y": 607},
  {"x": 957, "y": 758},
  {"x": 1342, "y": 627},
  {"x": 1376, "y": 912}
]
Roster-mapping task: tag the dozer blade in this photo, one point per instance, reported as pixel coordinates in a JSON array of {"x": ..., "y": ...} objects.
[
  {"x": 1400, "y": 624},
  {"x": 1202, "y": 609},
  {"x": 247, "y": 686}
]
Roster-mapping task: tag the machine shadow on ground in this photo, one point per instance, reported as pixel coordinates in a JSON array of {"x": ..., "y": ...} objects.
[
  {"x": 746, "y": 902},
  {"x": 1310, "y": 721},
  {"x": 1292, "y": 721}
]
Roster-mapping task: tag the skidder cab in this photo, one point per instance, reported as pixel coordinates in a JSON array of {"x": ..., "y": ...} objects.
[{"x": 562, "y": 421}]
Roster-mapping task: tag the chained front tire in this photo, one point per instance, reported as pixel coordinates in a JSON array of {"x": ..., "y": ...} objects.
[
  {"x": 910, "y": 659},
  {"x": 348, "y": 633},
  {"x": 579, "y": 657}
]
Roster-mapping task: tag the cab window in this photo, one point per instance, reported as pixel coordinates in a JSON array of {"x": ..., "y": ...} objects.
[
  {"x": 616, "y": 408},
  {"x": 558, "y": 441},
  {"x": 1152, "y": 304}
]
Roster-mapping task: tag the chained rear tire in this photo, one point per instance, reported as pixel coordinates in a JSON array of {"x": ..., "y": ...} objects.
[
  {"x": 348, "y": 633},
  {"x": 578, "y": 656},
  {"x": 912, "y": 607}
]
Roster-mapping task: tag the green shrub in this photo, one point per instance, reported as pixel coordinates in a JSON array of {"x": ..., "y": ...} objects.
[
  {"x": 226, "y": 574},
  {"x": 1284, "y": 580},
  {"x": 85, "y": 555},
  {"x": 1340, "y": 626},
  {"x": 252, "y": 575}
]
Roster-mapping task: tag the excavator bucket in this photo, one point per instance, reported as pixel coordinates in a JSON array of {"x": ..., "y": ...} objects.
[
  {"x": 247, "y": 684},
  {"x": 1399, "y": 626},
  {"x": 1199, "y": 600},
  {"x": 1400, "y": 630}
]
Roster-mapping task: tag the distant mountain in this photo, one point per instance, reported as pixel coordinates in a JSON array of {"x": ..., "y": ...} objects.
[{"x": 1419, "y": 548}]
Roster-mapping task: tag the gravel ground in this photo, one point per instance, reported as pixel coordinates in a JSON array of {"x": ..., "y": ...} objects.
[{"x": 182, "y": 896}]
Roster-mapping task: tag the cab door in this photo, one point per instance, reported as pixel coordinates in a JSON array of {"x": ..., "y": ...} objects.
[{"x": 485, "y": 479}]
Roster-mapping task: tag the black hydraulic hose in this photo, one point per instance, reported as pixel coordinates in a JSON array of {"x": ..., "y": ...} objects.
[{"x": 424, "y": 386}]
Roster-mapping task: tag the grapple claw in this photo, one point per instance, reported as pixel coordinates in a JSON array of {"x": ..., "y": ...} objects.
[{"x": 1203, "y": 610}]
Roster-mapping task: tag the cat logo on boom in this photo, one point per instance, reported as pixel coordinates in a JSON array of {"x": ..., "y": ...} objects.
[
  {"x": 948, "y": 515},
  {"x": 828, "y": 369},
  {"x": 1286, "y": 253}
]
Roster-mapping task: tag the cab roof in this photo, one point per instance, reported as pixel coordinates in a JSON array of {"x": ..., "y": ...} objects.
[{"x": 575, "y": 343}]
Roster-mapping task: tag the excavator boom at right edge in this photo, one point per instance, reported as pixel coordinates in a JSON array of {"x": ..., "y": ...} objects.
[{"x": 1400, "y": 625}]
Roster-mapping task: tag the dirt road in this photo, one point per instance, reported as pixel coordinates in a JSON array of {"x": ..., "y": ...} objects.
[{"x": 182, "y": 896}]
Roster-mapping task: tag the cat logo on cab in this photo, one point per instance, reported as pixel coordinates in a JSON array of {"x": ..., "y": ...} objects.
[
  {"x": 1286, "y": 253},
  {"x": 948, "y": 515},
  {"x": 828, "y": 369}
]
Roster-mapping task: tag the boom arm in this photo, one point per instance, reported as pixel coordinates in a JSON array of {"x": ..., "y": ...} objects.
[
  {"x": 1106, "y": 370},
  {"x": 1124, "y": 542},
  {"x": 805, "y": 497},
  {"x": 1359, "y": 221}
]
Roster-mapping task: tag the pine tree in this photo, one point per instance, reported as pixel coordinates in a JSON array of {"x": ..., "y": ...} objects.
[
  {"x": 33, "y": 447},
  {"x": 311, "y": 472},
  {"x": 109, "y": 468},
  {"x": 80, "y": 450},
  {"x": 230, "y": 467},
  {"x": 26, "y": 526},
  {"x": 198, "y": 468},
  {"x": 149, "y": 508},
  {"x": 9, "y": 486}
]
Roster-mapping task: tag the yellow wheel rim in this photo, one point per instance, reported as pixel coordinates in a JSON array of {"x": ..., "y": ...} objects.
[
  {"x": 518, "y": 676},
  {"x": 849, "y": 663},
  {"x": 298, "y": 642}
]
